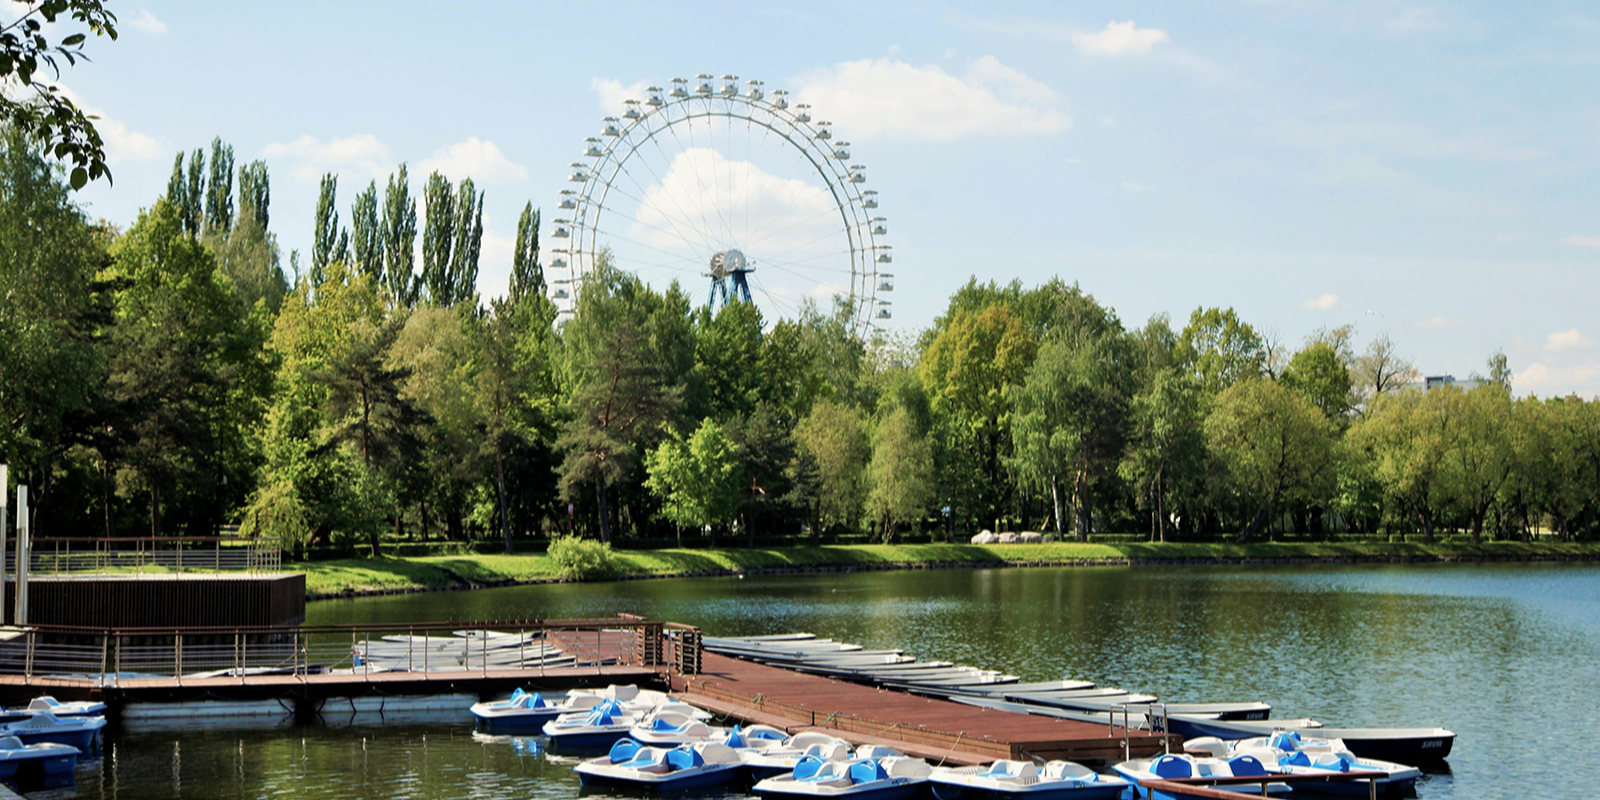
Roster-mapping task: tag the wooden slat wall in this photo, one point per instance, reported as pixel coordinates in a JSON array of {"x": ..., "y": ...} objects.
[{"x": 220, "y": 601}]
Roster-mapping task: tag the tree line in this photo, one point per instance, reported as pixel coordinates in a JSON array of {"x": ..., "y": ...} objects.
[{"x": 175, "y": 378}]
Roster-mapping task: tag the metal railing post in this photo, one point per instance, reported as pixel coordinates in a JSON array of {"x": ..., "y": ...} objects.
[
  {"x": 177, "y": 660},
  {"x": 105, "y": 648},
  {"x": 411, "y": 645},
  {"x": 27, "y": 672}
]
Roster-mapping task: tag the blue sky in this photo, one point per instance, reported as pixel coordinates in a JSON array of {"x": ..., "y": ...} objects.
[{"x": 1422, "y": 170}]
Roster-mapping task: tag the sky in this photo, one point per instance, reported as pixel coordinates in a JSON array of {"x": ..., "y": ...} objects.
[{"x": 1425, "y": 171}]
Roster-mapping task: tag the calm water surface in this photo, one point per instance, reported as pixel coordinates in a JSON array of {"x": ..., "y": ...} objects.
[{"x": 1508, "y": 656}]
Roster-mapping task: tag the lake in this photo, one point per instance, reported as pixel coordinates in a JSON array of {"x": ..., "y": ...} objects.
[{"x": 1507, "y": 656}]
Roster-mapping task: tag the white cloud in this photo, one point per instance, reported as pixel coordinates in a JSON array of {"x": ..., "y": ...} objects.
[
  {"x": 891, "y": 98},
  {"x": 1322, "y": 302},
  {"x": 1582, "y": 241},
  {"x": 123, "y": 144},
  {"x": 1568, "y": 340},
  {"x": 613, "y": 93},
  {"x": 706, "y": 201},
  {"x": 1441, "y": 322},
  {"x": 148, "y": 23},
  {"x": 361, "y": 157},
  {"x": 1416, "y": 19},
  {"x": 473, "y": 158},
  {"x": 1545, "y": 379},
  {"x": 1119, "y": 39},
  {"x": 1132, "y": 188}
]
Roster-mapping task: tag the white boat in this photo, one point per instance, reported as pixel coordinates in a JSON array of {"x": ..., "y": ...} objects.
[
  {"x": 1015, "y": 780},
  {"x": 638, "y": 701},
  {"x": 44, "y": 762},
  {"x": 1293, "y": 753},
  {"x": 665, "y": 727},
  {"x": 782, "y": 758},
  {"x": 1174, "y": 765},
  {"x": 43, "y": 726},
  {"x": 661, "y": 769},
  {"x": 599, "y": 727},
  {"x": 1043, "y": 686},
  {"x": 75, "y": 708},
  {"x": 756, "y": 738},
  {"x": 889, "y": 778},
  {"x": 525, "y": 711},
  {"x": 1403, "y": 745}
]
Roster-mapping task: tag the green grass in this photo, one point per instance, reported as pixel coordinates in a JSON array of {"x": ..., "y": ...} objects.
[{"x": 359, "y": 574}]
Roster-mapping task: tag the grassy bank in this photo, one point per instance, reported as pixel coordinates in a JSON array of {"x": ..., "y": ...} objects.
[{"x": 369, "y": 574}]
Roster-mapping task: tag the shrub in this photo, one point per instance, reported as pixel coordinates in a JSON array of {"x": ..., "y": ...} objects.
[{"x": 583, "y": 559}]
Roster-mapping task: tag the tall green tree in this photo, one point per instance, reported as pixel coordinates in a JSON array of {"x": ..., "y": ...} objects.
[
  {"x": 1318, "y": 374},
  {"x": 1166, "y": 447},
  {"x": 399, "y": 239},
  {"x": 219, "y": 190},
  {"x": 1070, "y": 420},
  {"x": 900, "y": 475},
  {"x": 328, "y": 242},
  {"x": 1276, "y": 446},
  {"x": 527, "y": 275},
  {"x": 1408, "y": 436},
  {"x": 366, "y": 234},
  {"x": 1482, "y": 457},
  {"x": 255, "y": 193},
  {"x": 1220, "y": 349},
  {"x": 192, "y": 212},
  {"x": 697, "y": 479},
  {"x": 438, "y": 239},
  {"x": 967, "y": 371},
  {"x": 53, "y": 312},
  {"x": 833, "y": 448}
]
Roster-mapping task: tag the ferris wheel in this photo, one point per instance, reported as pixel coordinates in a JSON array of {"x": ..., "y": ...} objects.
[{"x": 731, "y": 191}]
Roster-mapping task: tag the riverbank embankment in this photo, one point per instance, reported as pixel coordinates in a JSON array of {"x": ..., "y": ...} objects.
[{"x": 358, "y": 577}]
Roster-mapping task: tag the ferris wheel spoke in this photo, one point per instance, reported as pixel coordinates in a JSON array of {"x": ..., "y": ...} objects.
[
  {"x": 643, "y": 201},
  {"x": 662, "y": 182},
  {"x": 754, "y": 238},
  {"x": 807, "y": 221},
  {"x": 637, "y": 221},
  {"x": 619, "y": 237},
  {"x": 787, "y": 307},
  {"x": 694, "y": 167}
]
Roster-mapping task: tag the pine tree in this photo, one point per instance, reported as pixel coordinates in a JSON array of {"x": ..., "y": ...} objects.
[
  {"x": 438, "y": 234},
  {"x": 325, "y": 238},
  {"x": 194, "y": 193},
  {"x": 399, "y": 239},
  {"x": 219, "y": 192},
  {"x": 527, "y": 277},
  {"x": 254, "y": 192},
  {"x": 366, "y": 234}
]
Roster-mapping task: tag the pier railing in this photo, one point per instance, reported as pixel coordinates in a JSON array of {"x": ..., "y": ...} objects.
[
  {"x": 62, "y": 555},
  {"x": 110, "y": 657},
  {"x": 1209, "y": 787}
]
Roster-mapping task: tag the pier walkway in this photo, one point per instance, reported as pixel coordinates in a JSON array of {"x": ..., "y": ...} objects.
[{"x": 938, "y": 730}]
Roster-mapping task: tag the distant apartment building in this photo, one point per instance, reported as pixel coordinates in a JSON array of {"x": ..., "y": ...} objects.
[{"x": 1432, "y": 382}]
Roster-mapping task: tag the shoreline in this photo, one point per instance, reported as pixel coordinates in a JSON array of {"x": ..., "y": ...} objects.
[{"x": 449, "y": 570}]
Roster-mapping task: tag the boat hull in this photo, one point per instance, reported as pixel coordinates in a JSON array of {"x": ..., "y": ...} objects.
[
  {"x": 667, "y": 782},
  {"x": 529, "y": 722},
  {"x": 1065, "y": 791}
]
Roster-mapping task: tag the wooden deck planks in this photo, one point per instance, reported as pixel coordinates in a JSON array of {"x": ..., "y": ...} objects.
[{"x": 747, "y": 690}]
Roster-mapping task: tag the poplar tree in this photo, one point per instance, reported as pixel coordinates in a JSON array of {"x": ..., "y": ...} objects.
[
  {"x": 254, "y": 192},
  {"x": 326, "y": 245},
  {"x": 177, "y": 190},
  {"x": 194, "y": 193},
  {"x": 438, "y": 236},
  {"x": 219, "y": 191},
  {"x": 469, "y": 243},
  {"x": 366, "y": 234},
  {"x": 399, "y": 237},
  {"x": 527, "y": 277}
]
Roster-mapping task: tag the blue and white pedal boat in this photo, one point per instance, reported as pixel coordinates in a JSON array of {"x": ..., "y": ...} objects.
[
  {"x": 45, "y": 762},
  {"x": 1291, "y": 753},
  {"x": 526, "y": 711},
  {"x": 43, "y": 726},
  {"x": 660, "y": 769},
  {"x": 1173, "y": 766},
  {"x": 888, "y": 778},
  {"x": 599, "y": 728},
  {"x": 74, "y": 708},
  {"x": 1024, "y": 780},
  {"x": 780, "y": 759},
  {"x": 670, "y": 728}
]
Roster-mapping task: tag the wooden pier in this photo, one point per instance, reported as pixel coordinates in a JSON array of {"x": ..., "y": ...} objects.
[{"x": 937, "y": 730}]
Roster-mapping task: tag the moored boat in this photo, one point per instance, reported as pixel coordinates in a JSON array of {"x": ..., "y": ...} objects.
[
  {"x": 1173, "y": 765},
  {"x": 526, "y": 711},
  {"x": 660, "y": 769},
  {"x": 1402, "y": 745},
  {"x": 48, "y": 763},
  {"x": 1016, "y": 780},
  {"x": 599, "y": 727},
  {"x": 74, "y": 708},
  {"x": 43, "y": 726},
  {"x": 1292, "y": 753},
  {"x": 666, "y": 727},
  {"x": 888, "y": 778},
  {"x": 781, "y": 759}
]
